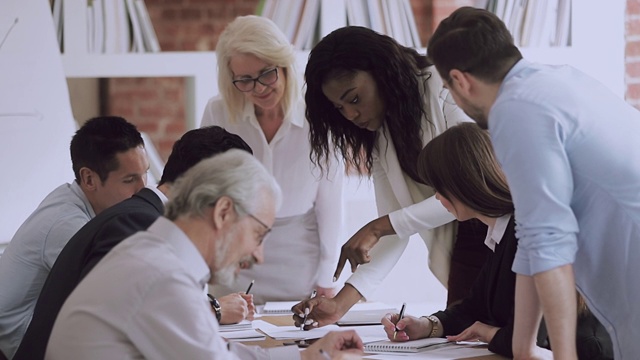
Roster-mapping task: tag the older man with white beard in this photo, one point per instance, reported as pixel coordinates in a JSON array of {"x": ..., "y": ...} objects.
[{"x": 144, "y": 299}]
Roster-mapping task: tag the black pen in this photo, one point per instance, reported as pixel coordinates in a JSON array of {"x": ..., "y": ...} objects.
[
  {"x": 306, "y": 311},
  {"x": 249, "y": 288},
  {"x": 395, "y": 332}
]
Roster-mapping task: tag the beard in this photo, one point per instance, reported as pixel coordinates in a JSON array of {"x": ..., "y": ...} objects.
[{"x": 226, "y": 275}]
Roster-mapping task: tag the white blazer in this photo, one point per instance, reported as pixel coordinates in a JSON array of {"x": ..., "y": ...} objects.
[{"x": 409, "y": 210}]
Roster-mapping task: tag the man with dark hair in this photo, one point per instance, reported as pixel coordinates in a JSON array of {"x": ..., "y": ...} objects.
[
  {"x": 101, "y": 234},
  {"x": 110, "y": 164},
  {"x": 569, "y": 148}
]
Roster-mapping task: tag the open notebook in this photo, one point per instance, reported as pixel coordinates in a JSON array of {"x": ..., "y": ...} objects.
[{"x": 410, "y": 346}]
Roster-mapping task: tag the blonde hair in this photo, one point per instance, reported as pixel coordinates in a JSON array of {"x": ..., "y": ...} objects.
[{"x": 260, "y": 37}]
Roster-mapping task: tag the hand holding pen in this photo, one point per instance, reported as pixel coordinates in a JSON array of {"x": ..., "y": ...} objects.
[
  {"x": 395, "y": 331},
  {"x": 307, "y": 310},
  {"x": 251, "y": 307}
]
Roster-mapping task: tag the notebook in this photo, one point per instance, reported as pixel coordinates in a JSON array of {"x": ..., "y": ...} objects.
[
  {"x": 411, "y": 346},
  {"x": 278, "y": 307}
]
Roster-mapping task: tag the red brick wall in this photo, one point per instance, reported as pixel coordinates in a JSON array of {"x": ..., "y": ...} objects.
[{"x": 632, "y": 53}]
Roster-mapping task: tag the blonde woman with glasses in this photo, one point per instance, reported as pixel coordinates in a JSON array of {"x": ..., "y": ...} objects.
[{"x": 260, "y": 101}]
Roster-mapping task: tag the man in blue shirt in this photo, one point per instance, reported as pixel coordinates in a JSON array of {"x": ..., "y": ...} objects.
[
  {"x": 569, "y": 148},
  {"x": 110, "y": 164}
]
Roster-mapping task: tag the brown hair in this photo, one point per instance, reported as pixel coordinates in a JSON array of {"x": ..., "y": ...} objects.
[
  {"x": 460, "y": 162},
  {"x": 475, "y": 41}
]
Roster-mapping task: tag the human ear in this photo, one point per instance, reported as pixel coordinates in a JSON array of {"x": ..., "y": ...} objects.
[
  {"x": 88, "y": 179},
  {"x": 223, "y": 211},
  {"x": 459, "y": 81}
]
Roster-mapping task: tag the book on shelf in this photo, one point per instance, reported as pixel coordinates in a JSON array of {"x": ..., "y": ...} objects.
[
  {"x": 136, "y": 29},
  {"x": 148, "y": 33},
  {"x": 103, "y": 26},
  {"x": 539, "y": 23},
  {"x": 411, "y": 346},
  {"x": 305, "y": 22}
]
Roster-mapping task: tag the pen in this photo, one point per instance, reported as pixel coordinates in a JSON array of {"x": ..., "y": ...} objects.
[
  {"x": 325, "y": 354},
  {"x": 249, "y": 288},
  {"x": 395, "y": 332},
  {"x": 306, "y": 311}
]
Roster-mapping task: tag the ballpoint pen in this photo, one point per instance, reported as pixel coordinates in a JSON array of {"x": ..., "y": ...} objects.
[
  {"x": 325, "y": 354},
  {"x": 249, "y": 288},
  {"x": 395, "y": 332},
  {"x": 306, "y": 311}
]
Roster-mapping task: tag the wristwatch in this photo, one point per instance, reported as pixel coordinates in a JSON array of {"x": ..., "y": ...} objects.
[
  {"x": 215, "y": 305},
  {"x": 435, "y": 325}
]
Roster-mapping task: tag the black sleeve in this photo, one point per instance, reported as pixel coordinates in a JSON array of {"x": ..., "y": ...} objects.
[{"x": 112, "y": 233}]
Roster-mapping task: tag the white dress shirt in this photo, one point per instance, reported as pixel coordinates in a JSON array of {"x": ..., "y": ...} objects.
[
  {"x": 27, "y": 260},
  {"x": 304, "y": 188},
  {"x": 144, "y": 301},
  {"x": 496, "y": 232}
]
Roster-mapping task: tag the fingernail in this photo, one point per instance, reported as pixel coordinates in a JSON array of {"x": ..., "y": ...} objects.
[
  {"x": 315, "y": 324},
  {"x": 306, "y": 311},
  {"x": 335, "y": 279},
  {"x": 308, "y": 322}
]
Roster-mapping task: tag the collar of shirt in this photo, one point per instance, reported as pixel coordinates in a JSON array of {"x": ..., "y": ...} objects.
[
  {"x": 249, "y": 114},
  {"x": 76, "y": 189},
  {"x": 184, "y": 249},
  {"x": 496, "y": 232},
  {"x": 160, "y": 194}
]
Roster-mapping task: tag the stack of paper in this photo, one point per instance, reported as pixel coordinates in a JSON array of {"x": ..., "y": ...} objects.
[{"x": 242, "y": 331}]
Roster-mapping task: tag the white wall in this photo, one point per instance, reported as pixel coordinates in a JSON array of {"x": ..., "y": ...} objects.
[
  {"x": 410, "y": 280},
  {"x": 36, "y": 124}
]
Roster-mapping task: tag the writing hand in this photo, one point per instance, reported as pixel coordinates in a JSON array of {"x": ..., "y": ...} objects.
[{"x": 410, "y": 328}]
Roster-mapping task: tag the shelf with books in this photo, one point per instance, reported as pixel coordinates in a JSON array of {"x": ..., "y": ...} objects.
[
  {"x": 104, "y": 26},
  {"x": 310, "y": 20},
  {"x": 597, "y": 43}
]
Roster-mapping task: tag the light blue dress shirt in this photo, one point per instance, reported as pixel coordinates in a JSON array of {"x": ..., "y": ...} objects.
[
  {"x": 570, "y": 149},
  {"x": 27, "y": 260}
]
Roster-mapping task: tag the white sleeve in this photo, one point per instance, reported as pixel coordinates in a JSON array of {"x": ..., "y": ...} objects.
[
  {"x": 425, "y": 215},
  {"x": 389, "y": 249},
  {"x": 329, "y": 209}
]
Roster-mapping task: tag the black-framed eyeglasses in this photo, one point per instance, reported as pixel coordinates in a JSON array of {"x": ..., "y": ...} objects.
[
  {"x": 248, "y": 84},
  {"x": 267, "y": 228}
]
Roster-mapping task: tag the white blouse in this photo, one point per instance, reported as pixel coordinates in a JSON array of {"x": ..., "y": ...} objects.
[{"x": 286, "y": 157}]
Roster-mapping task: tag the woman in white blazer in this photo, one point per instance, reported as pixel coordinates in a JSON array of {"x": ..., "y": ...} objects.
[
  {"x": 377, "y": 103},
  {"x": 260, "y": 101}
]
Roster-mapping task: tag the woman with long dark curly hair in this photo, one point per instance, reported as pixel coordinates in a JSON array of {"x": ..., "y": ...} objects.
[{"x": 377, "y": 103}]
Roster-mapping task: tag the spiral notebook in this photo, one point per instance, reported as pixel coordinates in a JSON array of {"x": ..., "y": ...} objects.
[{"x": 411, "y": 346}]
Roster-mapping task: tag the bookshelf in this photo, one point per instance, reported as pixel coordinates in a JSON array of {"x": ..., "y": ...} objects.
[{"x": 597, "y": 41}]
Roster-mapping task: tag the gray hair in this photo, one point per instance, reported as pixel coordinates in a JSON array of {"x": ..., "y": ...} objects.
[
  {"x": 262, "y": 38},
  {"x": 234, "y": 173}
]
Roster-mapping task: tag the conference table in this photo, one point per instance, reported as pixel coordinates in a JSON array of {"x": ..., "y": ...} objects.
[{"x": 287, "y": 320}]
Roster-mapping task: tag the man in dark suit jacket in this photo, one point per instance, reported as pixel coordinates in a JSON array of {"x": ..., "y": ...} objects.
[{"x": 102, "y": 233}]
